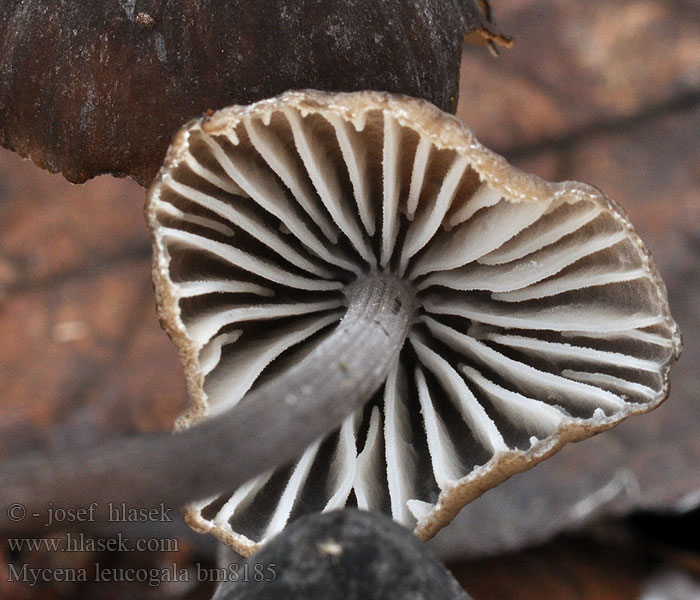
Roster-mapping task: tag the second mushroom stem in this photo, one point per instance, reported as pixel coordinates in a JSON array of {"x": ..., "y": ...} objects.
[{"x": 271, "y": 426}]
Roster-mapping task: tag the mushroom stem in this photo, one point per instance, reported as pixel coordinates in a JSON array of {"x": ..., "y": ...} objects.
[{"x": 271, "y": 426}]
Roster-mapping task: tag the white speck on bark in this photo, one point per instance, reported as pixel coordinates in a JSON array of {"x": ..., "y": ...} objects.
[{"x": 160, "y": 48}]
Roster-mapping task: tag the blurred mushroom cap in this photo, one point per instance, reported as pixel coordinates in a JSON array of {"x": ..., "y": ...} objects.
[
  {"x": 101, "y": 87},
  {"x": 541, "y": 317}
]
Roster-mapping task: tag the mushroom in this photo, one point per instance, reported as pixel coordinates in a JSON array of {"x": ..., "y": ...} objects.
[
  {"x": 100, "y": 87},
  {"x": 539, "y": 315}
]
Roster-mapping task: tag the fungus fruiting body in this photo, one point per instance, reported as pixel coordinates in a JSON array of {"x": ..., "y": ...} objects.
[
  {"x": 82, "y": 81},
  {"x": 539, "y": 316}
]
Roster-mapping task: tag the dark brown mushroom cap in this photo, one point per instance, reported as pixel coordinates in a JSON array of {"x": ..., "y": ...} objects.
[
  {"x": 91, "y": 87},
  {"x": 541, "y": 318}
]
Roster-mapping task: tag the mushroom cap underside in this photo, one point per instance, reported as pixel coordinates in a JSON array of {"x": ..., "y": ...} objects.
[{"x": 541, "y": 320}]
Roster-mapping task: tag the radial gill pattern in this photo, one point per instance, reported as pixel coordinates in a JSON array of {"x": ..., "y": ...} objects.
[{"x": 541, "y": 317}]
